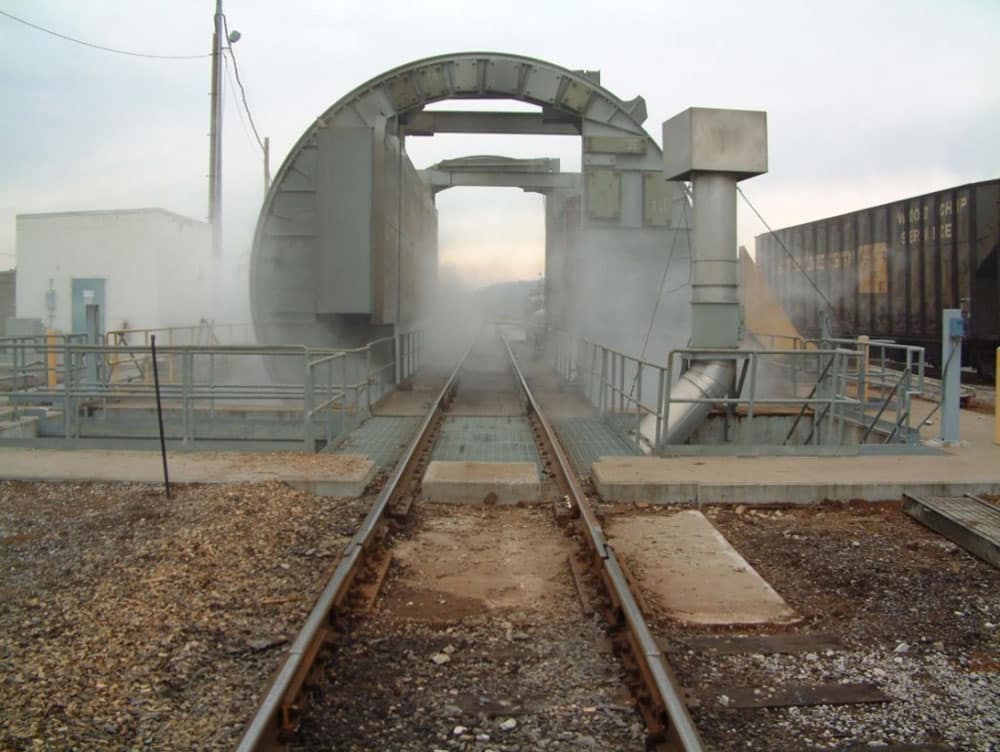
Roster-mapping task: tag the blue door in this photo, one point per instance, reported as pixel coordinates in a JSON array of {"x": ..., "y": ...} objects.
[{"x": 81, "y": 288}]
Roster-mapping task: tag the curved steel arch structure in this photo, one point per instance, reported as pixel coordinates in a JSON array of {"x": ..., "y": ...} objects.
[{"x": 345, "y": 244}]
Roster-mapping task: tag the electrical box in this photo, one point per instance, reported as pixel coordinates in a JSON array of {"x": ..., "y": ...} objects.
[{"x": 957, "y": 327}]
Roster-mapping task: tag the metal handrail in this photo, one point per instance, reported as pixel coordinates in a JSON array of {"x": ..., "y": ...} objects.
[
  {"x": 630, "y": 390},
  {"x": 81, "y": 375}
]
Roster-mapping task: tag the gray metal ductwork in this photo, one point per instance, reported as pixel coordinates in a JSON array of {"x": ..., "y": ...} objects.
[{"x": 714, "y": 149}]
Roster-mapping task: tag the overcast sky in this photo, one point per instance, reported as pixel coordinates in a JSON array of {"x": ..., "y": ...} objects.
[{"x": 867, "y": 101}]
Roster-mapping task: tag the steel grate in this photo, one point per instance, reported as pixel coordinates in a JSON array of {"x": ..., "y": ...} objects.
[
  {"x": 382, "y": 438},
  {"x": 485, "y": 439}
]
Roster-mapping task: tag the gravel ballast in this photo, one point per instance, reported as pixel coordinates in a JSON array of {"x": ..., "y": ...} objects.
[
  {"x": 130, "y": 621},
  {"x": 918, "y": 617}
]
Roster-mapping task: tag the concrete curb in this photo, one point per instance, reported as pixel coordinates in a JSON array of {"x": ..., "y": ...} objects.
[{"x": 804, "y": 492}]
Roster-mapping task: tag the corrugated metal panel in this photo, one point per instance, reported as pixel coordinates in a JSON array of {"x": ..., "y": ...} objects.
[{"x": 889, "y": 270}]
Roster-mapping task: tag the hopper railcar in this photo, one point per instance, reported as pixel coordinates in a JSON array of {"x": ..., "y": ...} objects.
[{"x": 888, "y": 271}]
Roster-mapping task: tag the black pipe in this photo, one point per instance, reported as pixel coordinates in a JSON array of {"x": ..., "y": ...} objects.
[{"x": 159, "y": 414}]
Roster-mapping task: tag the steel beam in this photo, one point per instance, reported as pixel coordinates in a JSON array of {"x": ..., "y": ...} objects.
[
  {"x": 538, "y": 182},
  {"x": 518, "y": 123}
]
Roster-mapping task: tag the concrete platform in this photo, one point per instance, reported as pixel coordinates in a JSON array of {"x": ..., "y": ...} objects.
[
  {"x": 687, "y": 570},
  {"x": 974, "y": 468},
  {"x": 473, "y": 482},
  {"x": 322, "y": 474}
]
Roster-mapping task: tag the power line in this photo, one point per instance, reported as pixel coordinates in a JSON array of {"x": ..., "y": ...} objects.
[
  {"x": 243, "y": 92},
  {"x": 101, "y": 47},
  {"x": 785, "y": 249},
  {"x": 236, "y": 104}
]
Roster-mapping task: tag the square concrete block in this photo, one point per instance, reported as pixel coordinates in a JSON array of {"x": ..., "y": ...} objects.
[
  {"x": 701, "y": 139},
  {"x": 473, "y": 482}
]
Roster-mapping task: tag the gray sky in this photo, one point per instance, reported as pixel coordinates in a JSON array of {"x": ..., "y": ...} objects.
[{"x": 867, "y": 101}]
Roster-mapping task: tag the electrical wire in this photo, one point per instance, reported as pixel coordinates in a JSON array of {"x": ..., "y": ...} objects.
[
  {"x": 785, "y": 249},
  {"x": 236, "y": 104},
  {"x": 101, "y": 47},
  {"x": 243, "y": 92}
]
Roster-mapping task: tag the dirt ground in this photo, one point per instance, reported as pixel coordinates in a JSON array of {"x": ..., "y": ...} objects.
[
  {"x": 129, "y": 621},
  {"x": 916, "y": 615},
  {"x": 480, "y": 559}
]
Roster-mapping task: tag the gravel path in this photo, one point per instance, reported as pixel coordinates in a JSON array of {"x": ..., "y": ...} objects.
[{"x": 130, "y": 621}]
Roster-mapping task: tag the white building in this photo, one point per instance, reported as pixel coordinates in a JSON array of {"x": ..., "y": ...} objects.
[{"x": 144, "y": 268}]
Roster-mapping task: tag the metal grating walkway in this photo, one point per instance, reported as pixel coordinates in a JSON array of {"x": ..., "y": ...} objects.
[
  {"x": 971, "y": 522},
  {"x": 485, "y": 439},
  {"x": 382, "y": 438},
  {"x": 587, "y": 439}
]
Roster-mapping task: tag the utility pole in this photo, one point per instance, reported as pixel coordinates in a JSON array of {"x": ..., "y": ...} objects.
[{"x": 215, "y": 137}]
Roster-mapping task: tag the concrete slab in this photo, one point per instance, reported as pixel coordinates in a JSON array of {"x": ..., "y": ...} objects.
[
  {"x": 687, "y": 570},
  {"x": 473, "y": 482},
  {"x": 971, "y": 468},
  {"x": 324, "y": 474},
  {"x": 788, "y": 480}
]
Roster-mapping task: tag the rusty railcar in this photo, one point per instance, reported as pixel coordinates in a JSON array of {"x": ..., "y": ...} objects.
[{"x": 887, "y": 271}]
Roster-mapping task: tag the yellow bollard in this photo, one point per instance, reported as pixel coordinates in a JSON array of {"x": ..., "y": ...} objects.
[
  {"x": 51, "y": 357},
  {"x": 996, "y": 403}
]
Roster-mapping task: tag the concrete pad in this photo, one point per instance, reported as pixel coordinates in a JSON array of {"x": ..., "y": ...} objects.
[
  {"x": 688, "y": 571},
  {"x": 340, "y": 475},
  {"x": 796, "y": 480},
  {"x": 472, "y": 482}
]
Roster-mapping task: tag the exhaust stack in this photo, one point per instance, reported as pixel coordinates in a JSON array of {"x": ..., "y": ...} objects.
[{"x": 714, "y": 149}]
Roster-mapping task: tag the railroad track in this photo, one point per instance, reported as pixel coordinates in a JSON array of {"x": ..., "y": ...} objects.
[{"x": 600, "y": 583}]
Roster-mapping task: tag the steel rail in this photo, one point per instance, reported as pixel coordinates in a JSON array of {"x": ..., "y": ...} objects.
[
  {"x": 277, "y": 713},
  {"x": 665, "y": 692}
]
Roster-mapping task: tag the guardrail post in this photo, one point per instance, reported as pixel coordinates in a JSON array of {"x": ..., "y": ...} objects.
[
  {"x": 604, "y": 382},
  {"x": 368, "y": 378},
  {"x": 307, "y": 405},
  {"x": 996, "y": 404},
  {"x": 211, "y": 385},
  {"x": 753, "y": 399},
  {"x": 638, "y": 399},
  {"x": 865, "y": 346},
  {"x": 397, "y": 354},
  {"x": 67, "y": 385},
  {"x": 666, "y": 398},
  {"x": 660, "y": 396},
  {"x": 51, "y": 357},
  {"x": 187, "y": 378}
]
